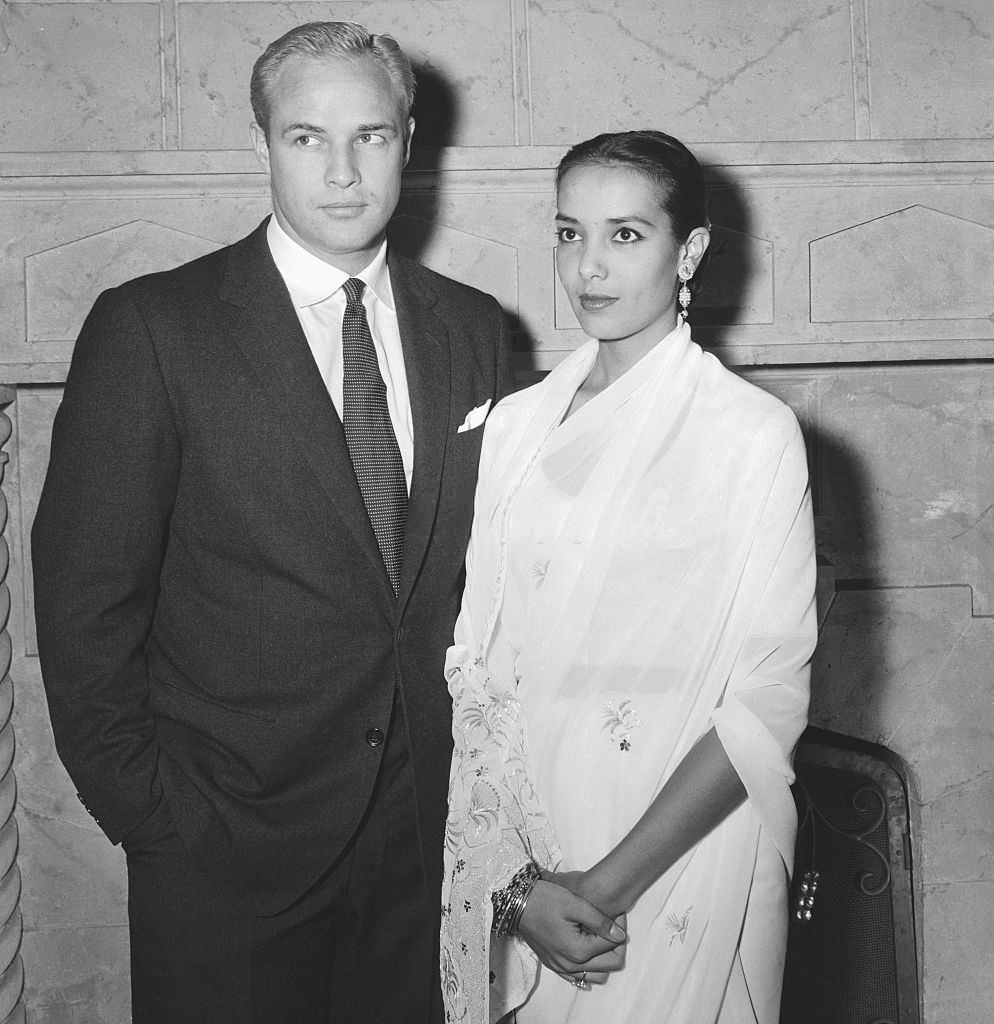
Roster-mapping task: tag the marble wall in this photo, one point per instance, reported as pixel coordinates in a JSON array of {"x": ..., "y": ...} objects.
[{"x": 850, "y": 156}]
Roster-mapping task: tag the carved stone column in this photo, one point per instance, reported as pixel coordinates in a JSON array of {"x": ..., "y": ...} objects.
[{"x": 11, "y": 968}]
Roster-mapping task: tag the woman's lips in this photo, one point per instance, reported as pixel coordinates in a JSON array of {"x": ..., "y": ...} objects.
[{"x": 592, "y": 303}]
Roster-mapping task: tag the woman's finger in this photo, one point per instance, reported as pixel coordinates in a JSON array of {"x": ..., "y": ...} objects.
[
  {"x": 609, "y": 962},
  {"x": 597, "y": 977}
]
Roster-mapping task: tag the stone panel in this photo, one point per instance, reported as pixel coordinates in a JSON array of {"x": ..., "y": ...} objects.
[
  {"x": 959, "y": 828},
  {"x": 80, "y": 975},
  {"x": 879, "y": 653},
  {"x": 909, "y": 265},
  {"x": 947, "y": 730},
  {"x": 906, "y": 459},
  {"x": 760, "y": 215},
  {"x": 930, "y": 75},
  {"x": 513, "y": 222},
  {"x": 60, "y": 283},
  {"x": 77, "y": 877},
  {"x": 716, "y": 71},
  {"x": 173, "y": 227},
  {"x": 472, "y": 259},
  {"x": 958, "y": 953},
  {"x": 462, "y": 52},
  {"x": 96, "y": 68}
]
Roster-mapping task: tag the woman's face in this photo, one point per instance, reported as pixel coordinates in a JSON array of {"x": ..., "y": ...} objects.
[{"x": 617, "y": 257}]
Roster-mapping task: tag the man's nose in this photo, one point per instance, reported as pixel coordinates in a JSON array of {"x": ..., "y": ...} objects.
[{"x": 342, "y": 169}]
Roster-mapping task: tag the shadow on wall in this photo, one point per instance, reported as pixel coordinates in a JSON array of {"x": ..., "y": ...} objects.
[
  {"x": 732, "y": 265},
  {"x": 435, "y": 113},
  {"x": 417, "y": 234},
  {"x": 851, "y": 673}
]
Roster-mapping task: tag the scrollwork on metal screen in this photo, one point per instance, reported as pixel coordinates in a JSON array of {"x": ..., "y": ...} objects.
[{"x": 870, "y": 805}]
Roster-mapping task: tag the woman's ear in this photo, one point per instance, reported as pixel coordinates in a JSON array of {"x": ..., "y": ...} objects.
[{"x": 696, "y": 245}]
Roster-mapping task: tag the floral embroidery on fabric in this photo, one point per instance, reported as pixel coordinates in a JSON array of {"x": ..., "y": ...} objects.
[
  {"x": 677, "y": 926},
  {"x": 620, "y": 720},
  {"x": 495, "y": 823},
  {"x": 456, "y": 1007}
]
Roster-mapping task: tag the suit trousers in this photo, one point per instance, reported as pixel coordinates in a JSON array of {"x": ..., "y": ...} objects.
[{"x": 361, "y": 946}]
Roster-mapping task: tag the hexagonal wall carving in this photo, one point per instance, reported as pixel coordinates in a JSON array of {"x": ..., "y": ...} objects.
[
  {"x": 473, "y": 259},
  {"x": 61, "y": 283},
  {"x": 736, "y": 288},
  {"x": 914, "y": 264}
]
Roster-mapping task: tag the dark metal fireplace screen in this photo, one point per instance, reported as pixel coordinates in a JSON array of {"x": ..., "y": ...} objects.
[{"x": 851, "y": 948}]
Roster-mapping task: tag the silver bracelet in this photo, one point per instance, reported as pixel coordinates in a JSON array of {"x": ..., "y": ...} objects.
[{"x": 509, "y": 902}]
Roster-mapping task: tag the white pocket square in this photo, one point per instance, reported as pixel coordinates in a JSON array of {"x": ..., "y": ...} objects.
[{"x": 475, "y": 417}]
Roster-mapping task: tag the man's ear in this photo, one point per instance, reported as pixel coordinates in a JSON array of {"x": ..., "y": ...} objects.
[
  {"x": 260, "y": 145},
  {"x": 407, "y": 141}
]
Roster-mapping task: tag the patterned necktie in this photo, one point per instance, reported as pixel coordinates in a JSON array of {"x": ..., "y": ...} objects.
[{"x": 369, "y": 434}]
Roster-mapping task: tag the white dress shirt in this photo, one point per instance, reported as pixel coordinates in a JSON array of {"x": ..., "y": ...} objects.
[{"x": 316, "y": 291}]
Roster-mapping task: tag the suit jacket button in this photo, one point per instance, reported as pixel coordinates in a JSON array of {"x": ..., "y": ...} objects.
[{"x": 374, "y": 737}]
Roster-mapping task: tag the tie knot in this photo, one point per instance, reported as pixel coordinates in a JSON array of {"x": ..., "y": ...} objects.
[{"x": 353, "y": 290}]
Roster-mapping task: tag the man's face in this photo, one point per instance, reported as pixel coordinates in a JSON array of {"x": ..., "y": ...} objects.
[{"x": 337, "y": 144}]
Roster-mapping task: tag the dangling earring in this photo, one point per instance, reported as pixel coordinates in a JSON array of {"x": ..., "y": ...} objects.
[{"x": 685, "y": 272}]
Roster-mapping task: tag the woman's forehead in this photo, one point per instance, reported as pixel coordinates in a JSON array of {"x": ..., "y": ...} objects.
[{"x": 600, "y": 188}]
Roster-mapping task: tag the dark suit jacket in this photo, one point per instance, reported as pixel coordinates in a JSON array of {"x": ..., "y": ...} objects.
[{"x": 215, "y": 624}]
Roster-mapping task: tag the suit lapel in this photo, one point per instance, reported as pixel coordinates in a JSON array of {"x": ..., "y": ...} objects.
[
  {"x": 260, "y": 320},
  {"x": 425, "y": 341}
]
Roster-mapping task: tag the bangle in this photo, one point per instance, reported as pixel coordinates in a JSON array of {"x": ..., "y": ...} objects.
[{"x": 509, "y": 902}]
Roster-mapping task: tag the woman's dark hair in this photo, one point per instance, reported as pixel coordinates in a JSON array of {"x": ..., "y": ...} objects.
[{"x": 665, "y": 161}]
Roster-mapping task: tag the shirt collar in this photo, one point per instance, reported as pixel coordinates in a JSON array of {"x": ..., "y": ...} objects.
[{"x": 310, "y": 280}]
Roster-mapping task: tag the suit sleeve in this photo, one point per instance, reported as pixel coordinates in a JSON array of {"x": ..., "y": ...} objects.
[{"x": 97, "y": 548}]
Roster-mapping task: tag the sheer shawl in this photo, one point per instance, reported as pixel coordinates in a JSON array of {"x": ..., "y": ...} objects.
[{"x": 682, "y": 581}]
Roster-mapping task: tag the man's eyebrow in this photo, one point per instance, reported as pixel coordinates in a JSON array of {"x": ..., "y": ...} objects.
[
  {"x": 360, "y": 129},
  {"x": 384, "y": 126},
  {"x": 301, "y": 126}
]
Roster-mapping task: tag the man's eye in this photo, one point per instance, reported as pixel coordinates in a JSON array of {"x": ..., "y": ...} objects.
[
  {"x": 369, "y": 139},
  {"x": 305, "y": 140}
]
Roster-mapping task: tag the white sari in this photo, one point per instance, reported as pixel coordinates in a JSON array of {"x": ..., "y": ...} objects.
[{"x": 638, "y": 574}]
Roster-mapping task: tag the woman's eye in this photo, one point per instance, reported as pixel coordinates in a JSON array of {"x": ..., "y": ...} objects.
[
  {"x": 566, "y": 234},
  {"x": 627, "y": 235}
]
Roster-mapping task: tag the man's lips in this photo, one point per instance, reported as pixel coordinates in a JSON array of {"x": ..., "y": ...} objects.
[{"x": 343, "y": 209}]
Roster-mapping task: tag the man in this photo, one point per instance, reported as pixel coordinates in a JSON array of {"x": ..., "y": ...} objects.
[{"x": 248, "y": 561}]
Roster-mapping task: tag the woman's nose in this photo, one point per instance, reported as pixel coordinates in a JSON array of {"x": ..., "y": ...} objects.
[{"x": 591, "y": 266}]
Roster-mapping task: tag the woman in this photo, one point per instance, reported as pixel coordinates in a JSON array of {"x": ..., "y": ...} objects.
[{"x": 630, "y": 668}]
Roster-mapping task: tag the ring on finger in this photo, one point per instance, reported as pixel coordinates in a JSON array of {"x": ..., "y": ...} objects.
[{"x": 580, "y": 982}]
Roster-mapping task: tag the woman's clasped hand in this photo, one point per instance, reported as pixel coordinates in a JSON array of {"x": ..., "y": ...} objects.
[{"x": 569, "y": 935}]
